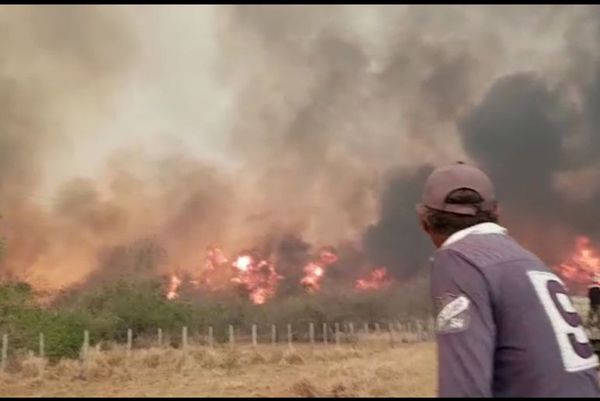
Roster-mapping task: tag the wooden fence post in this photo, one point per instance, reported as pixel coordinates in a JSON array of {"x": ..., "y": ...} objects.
[
  {"x": 42, "y": 354},
  {"x": 311, "y": 334},
  {"x": 325, "y": 333},
  {"x": 184, "y": 338},
  {"x": 85, "y": 353},
  {"x": 337, "y": 334},
  {"x": 254, "y": 335},
  {"x": 86, "y": 343},
  {"x": 129, "y": 342},
  {"x": 273, "y": 334},
  {"x": 231, "y": 336},
  {"x": 160, "y": 338},
  {"x": 289, "y": 333},
  {"x": 210, "y": 336},
  {"x": 432, "y": 328}
]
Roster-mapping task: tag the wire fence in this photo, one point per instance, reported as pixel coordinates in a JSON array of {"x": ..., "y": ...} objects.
[{"x": 314, "y": 335}]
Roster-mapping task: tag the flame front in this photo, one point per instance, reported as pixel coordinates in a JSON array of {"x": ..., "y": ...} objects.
[
  {"x": 314, "y": 271},
  {"x": 260, "y": 278},
  {"x": 174, "y": 284},
  {"x": 243, "y": 262},
  {"x": 582, "y": 266},
  {"x": 377, "y": 279}
]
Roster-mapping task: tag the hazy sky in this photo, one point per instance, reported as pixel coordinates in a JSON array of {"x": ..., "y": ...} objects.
[{"x": 171, "y": 94}]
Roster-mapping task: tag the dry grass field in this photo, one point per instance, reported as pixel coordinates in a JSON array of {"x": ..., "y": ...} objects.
[{"x": 374, "y": 369}]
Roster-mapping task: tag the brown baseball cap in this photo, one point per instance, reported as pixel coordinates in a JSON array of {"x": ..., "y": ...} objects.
[{"x": 445, "y": 180}]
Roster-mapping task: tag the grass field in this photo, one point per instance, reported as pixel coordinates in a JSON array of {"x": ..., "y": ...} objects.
[{"x": 374, "y": 369}]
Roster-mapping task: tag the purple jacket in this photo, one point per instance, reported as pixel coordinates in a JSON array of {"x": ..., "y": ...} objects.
[{"x": 505, "y": 325}]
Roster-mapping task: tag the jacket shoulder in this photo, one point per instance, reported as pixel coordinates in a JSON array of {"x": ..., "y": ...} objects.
[{"x": 490, "y": 249}]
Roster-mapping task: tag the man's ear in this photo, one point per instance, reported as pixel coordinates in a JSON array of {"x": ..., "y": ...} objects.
[{"x": 496, "y": 210}]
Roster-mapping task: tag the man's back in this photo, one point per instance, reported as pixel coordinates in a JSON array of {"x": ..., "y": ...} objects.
[{"x": 521, "y": 332}]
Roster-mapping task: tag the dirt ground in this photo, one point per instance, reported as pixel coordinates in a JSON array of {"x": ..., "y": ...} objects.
[{"x": 368, "y": 370}]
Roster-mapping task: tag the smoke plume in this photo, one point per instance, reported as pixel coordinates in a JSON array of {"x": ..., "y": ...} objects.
[{"x": 284, "y": 129}]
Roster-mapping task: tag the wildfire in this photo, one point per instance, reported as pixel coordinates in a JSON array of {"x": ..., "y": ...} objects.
[
  {"x": 243, "y": 263},
  {"x": 212, "y": 275},
  {"x": 214, "y": 257},
  {"x": 258, "y": 277},
  {"x": 174, "y": 284},
  {"x": 377, "y": 279},
  {"x": 583, "y": 264},
  {"x": 314, "y": 271}
]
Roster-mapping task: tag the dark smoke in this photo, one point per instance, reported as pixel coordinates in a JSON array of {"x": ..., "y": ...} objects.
[
  {"x": 516, "y": 133},
  {"x": 528, "y": 131},
  {"x": 396, "y": 240}
]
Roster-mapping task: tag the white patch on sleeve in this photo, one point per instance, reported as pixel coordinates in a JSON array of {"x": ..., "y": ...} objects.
[{"x": 454, "y": 315}]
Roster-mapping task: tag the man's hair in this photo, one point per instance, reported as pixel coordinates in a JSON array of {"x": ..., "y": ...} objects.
[{"x": 446, "y": 223}]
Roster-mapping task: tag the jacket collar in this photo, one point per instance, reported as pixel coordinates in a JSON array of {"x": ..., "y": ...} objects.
[{"x": 481, "y": 228}]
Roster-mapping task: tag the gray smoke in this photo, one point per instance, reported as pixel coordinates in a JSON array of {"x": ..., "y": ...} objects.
[
  {"x": 58, "y": 65},
  {"x": 338, "y": 114}
]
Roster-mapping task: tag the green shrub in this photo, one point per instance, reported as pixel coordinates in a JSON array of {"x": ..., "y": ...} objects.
[{"x": 109, "y": 309}]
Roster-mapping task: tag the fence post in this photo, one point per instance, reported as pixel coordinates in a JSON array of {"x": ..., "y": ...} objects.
[
  {"x": 129, "y": 341},
  {"x": 231, "y": 336},
  {"x": 337, "y": 334},
  {"x": 4, "y": 351},
  {"x": 289, "y": 333},
  {"x": 86, "y": 348},
  {"x": 273, "y": 334},
  {"x": 160, "y": 338},
  {"x": 351, "y": 326},
  {"x": 86, "y": 343},
  {"x": 311, "y": 334},
  {"x": 42, "y": 354},
  {"x": 431, "y": 329},
  {"x": 391, "y": 329},
  {"x": 254, "y": 335},
  {"x": 210, "y": 336},
  {"x": 184, "y": 338},
  {"x": 325, "y": 333}
]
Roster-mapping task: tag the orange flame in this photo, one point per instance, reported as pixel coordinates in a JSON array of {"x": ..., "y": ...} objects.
[
  {"x": 259, "y": 279},
  {"x": 215, "y": 257},
  {"x": 174, "y": 284},
  {"x": 211, "y": 276},
  {"x": 314, "y": 271},
  {"x": 584, "y": 264},
  {"x": 377, "y": 279},
  {"x": 243, "y": 263}
]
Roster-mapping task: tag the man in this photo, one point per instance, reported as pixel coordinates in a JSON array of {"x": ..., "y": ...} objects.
[{"x": 505, "y": 325}]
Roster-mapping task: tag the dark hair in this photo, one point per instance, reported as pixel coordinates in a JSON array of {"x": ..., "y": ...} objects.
[{"x": 446, "y": 223}]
